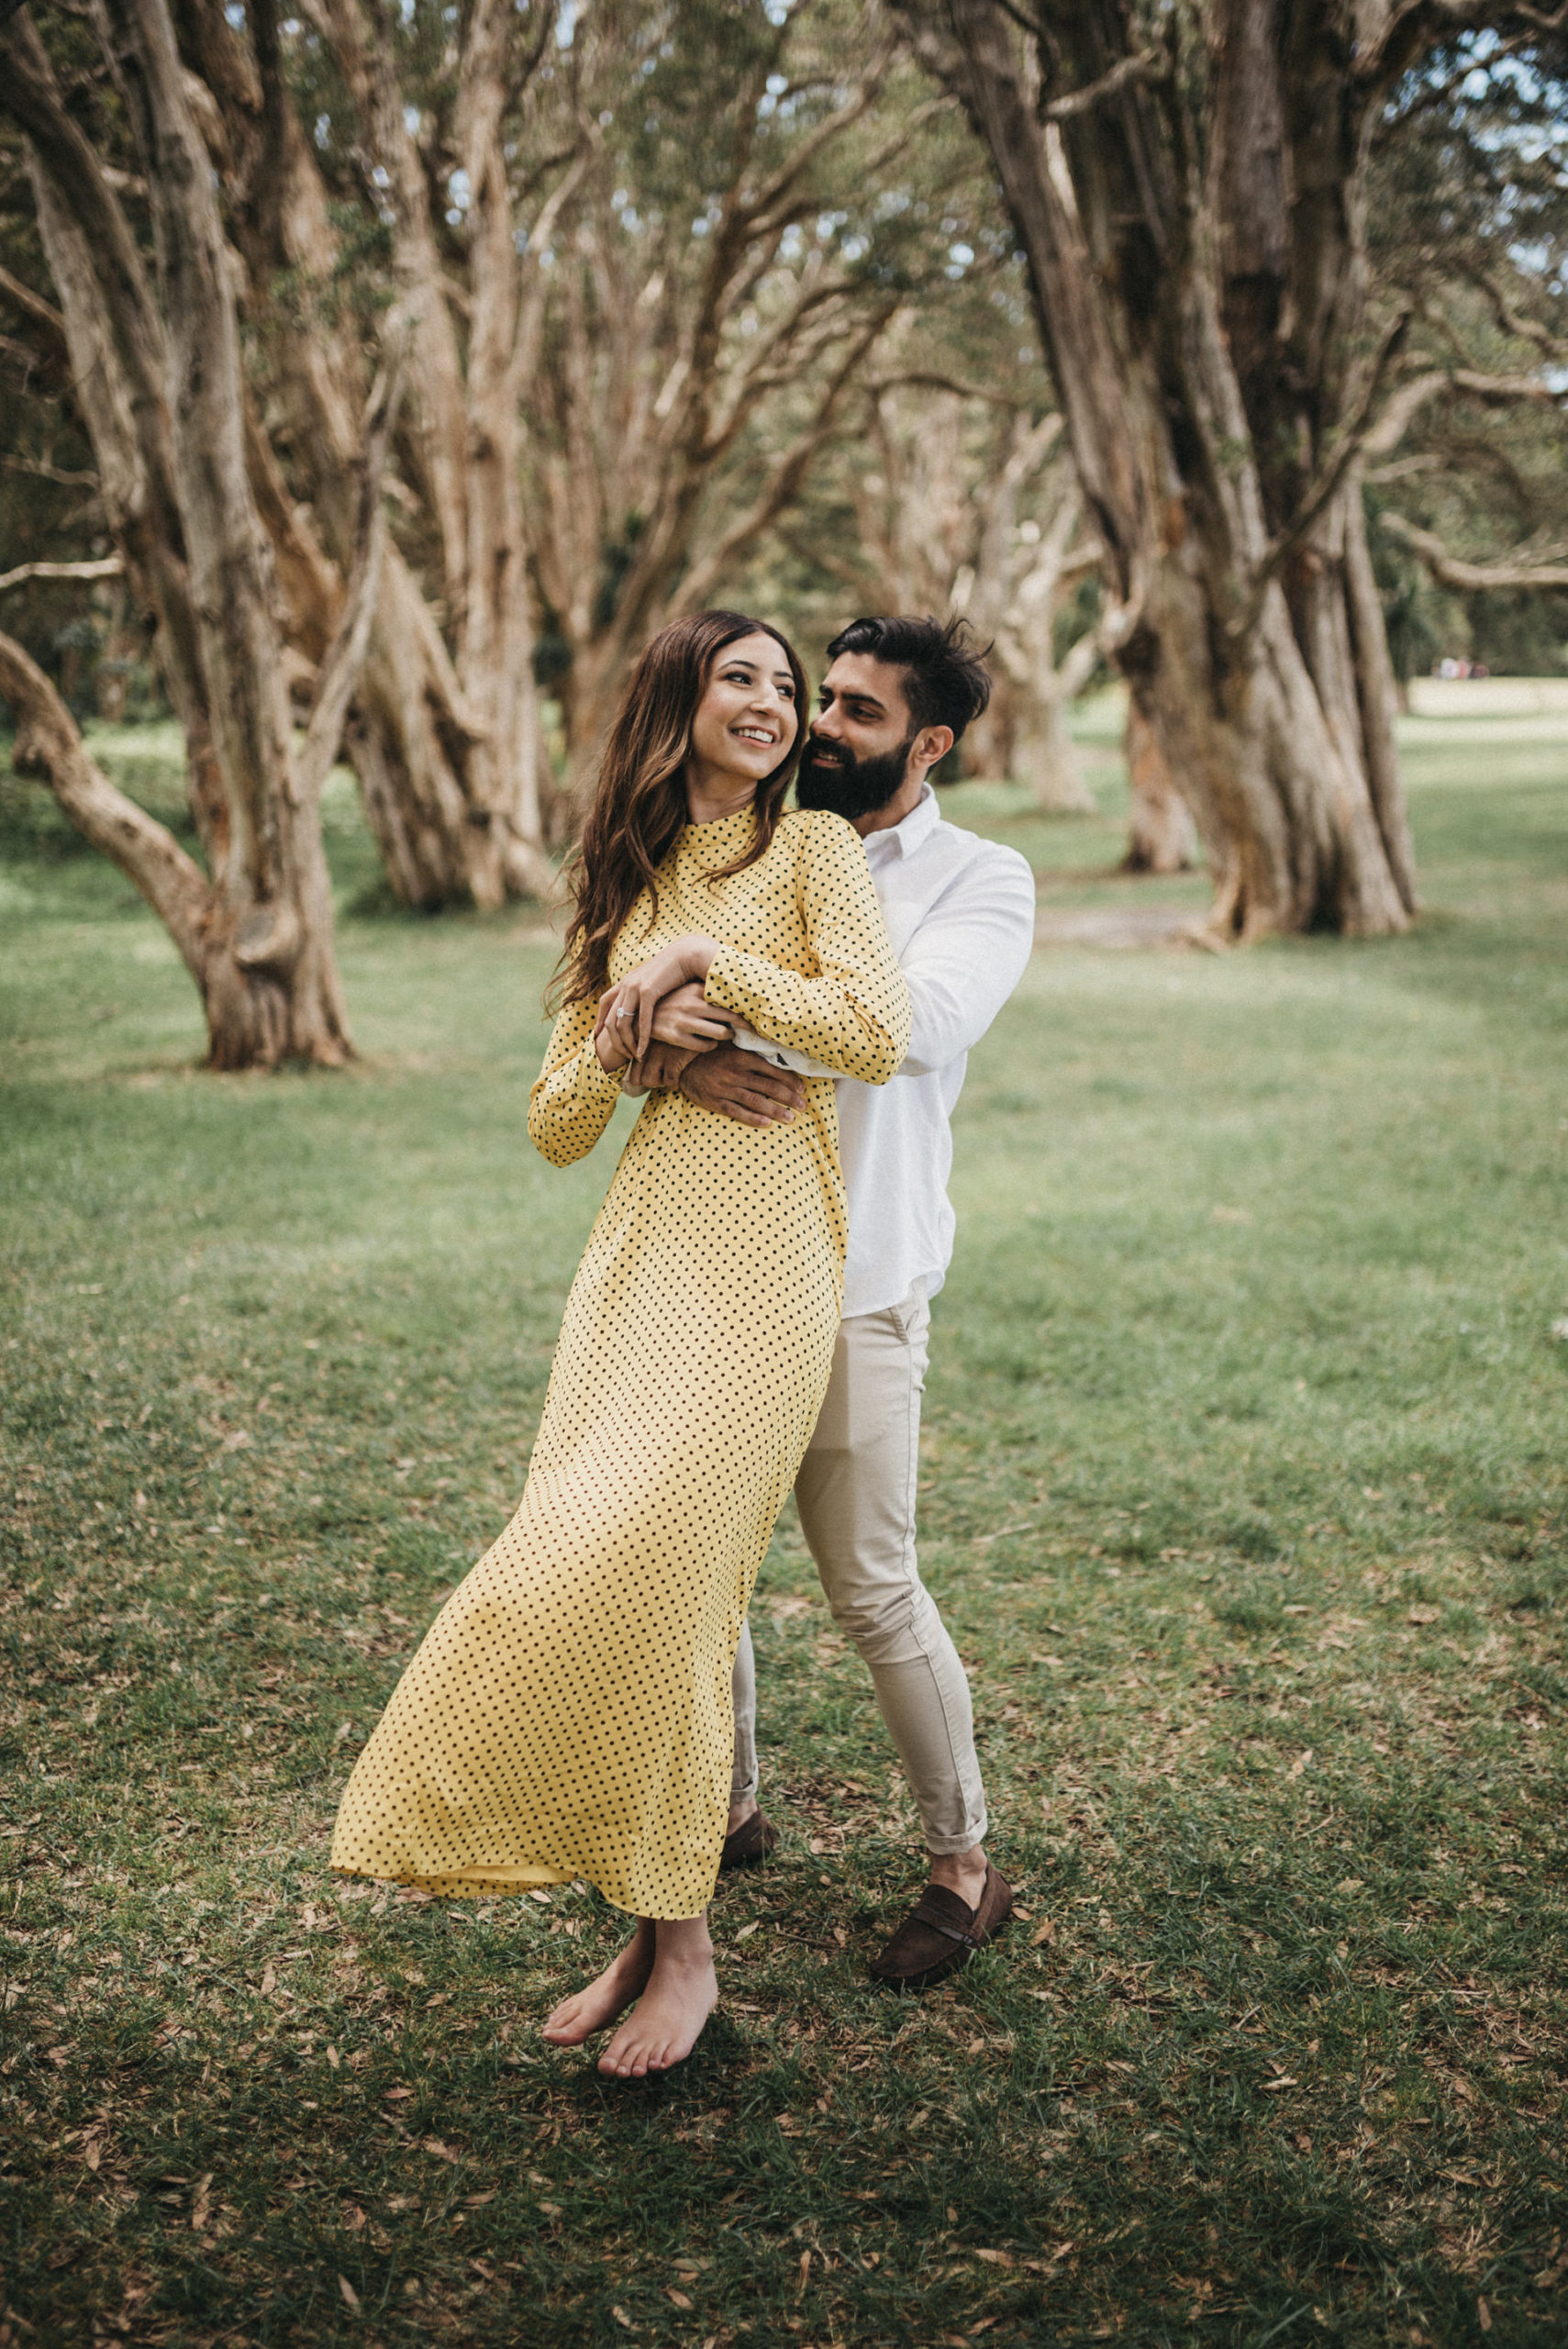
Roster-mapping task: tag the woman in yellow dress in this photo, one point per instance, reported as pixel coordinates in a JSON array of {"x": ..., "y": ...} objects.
[{"x": 568, "y": 1713}]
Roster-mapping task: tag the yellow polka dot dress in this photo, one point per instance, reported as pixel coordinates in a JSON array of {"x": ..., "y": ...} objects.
[{"x": 568, "y": 1713}]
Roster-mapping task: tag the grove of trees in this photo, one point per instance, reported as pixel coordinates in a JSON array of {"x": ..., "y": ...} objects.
[{"x": 378, "y": 378}]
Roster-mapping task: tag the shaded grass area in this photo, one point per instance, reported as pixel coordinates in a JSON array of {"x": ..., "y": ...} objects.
[{"x": 1245, "y": 1496}]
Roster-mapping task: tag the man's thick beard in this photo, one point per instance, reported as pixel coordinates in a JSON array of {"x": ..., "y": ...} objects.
[{"x": 850, "y": 786}]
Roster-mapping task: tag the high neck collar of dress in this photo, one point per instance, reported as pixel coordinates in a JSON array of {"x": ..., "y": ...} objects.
[{"x": 724, "y": 831}]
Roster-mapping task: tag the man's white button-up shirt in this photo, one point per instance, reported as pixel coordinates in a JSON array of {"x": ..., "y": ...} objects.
[{"x": 959, "y": 916}]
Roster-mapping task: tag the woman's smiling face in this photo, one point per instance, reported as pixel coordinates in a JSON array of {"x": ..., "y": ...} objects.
[{"x": 747, "y": 719}]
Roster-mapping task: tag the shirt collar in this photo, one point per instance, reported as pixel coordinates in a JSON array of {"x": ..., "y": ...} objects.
[{"x": 903, "y": 839}]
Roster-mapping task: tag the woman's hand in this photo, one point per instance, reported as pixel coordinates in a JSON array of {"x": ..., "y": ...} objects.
[
  {"x": 685, "y": 1017},
  {"x": 627, "y": 1012},
  {"x": 614, "y": 1033},
  {"x": 612, "y": 1056}
]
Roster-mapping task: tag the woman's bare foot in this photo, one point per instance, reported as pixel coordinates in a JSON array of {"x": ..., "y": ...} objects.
[
  {"x": 587, "y": 2012},
  {"x": 667, "y": 2021}
]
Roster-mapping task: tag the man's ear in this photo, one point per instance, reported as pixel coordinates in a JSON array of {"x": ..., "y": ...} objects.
[{"x": 931, "y": 746}]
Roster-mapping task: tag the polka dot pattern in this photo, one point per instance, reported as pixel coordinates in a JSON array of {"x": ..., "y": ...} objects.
[{"x": 568, "y": 1714}]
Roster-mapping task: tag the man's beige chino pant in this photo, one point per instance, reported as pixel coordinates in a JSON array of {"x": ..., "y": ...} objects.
[{"x": 855, "y": 1493}]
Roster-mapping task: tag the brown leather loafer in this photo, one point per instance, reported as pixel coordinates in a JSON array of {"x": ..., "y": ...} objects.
[
  {"x": 753, "y": 1841},
  {"x": 942, "y": 1932}
]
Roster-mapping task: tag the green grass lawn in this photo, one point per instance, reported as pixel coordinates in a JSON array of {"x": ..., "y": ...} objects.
[{"x": 1244, "y": 1495}]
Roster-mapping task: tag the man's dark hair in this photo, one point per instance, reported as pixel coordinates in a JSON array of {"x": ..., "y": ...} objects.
[{"x": 946, "y": 682}]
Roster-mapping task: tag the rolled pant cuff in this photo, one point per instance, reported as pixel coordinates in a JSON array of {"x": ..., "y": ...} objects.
[{"x": 947, "y": 1847}]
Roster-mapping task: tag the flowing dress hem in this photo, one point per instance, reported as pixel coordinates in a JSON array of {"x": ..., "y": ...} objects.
[{"x": 457, "y": 1883}]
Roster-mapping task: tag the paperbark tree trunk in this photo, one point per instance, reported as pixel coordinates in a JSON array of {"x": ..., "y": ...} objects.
[
  {"x": 117, "y": 366},
  {"x": 672, "y": 572},
  {"x": 666, "y": 350},
  {"x": 1193, "y": 232},
  {"x": 446, "y": 732},
  {"x": 1160, "y": 835},
  {"x": 446, "y": 741},
  {"x": 941, "y": 530},
  {"x": 446, "y": 748},
  {"x": 1042, "y": 690},
  {"x": 1046, "y": 757},
  {"x": 164, "y": 400}
]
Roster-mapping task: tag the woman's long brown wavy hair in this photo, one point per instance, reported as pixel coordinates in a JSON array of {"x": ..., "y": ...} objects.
[{"x": 639, "y": 807}]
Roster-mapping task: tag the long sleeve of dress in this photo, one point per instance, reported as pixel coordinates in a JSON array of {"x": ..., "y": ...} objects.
[
  {"x": 573, "y": 1100},
  {"x": 853, "y": 1014},
  {"x": 965, "y": 958}
]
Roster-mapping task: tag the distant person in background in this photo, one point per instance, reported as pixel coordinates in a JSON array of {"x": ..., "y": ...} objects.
[
  {"x": 960, "y": 913},
  {"x": 569, "y": 1713}
]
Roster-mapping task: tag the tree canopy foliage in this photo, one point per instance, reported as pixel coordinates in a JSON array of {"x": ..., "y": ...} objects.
[{"x": 1469, "y": 229}]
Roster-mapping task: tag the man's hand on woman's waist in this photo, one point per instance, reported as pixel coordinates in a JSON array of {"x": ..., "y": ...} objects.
[{"x": 740, "y": 1085}]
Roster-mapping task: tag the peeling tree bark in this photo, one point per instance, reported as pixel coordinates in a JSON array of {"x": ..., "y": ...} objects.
[
  {"x": 648, "y": 387},
  {"x": 446, "y": 749},
  {"x": 446, "y": 743},
  {"x": 970, "y": 507},
  {"x": 164, "y": 400},
  {"x": 117, "y": 366},
  {"x": 1042, "y": 690},
  {"x": 1159, "y": 835},
  {"x": 1203, "y": 303},
  {"x": 445, "y": 731}
]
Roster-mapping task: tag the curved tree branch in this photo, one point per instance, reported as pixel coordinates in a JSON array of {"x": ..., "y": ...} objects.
[
  {"x": 926, "y": 380},
  {"x": 783, "y": 485},
  {"x": 755, "y": 211},
  {"x": 1148, "y": 65},
  {"x": 48, "y": 745},
  {"x": 1320, "y": 494},
  {"x": 1492, "y": 391},
  {"x": 42, "y": 314},
  {"x": 108, "y": 567},
  {"x": 1547, "y": 573},
  {"x": 1396, "y": 34},
  {"x": 1362, "y": 439},
  {"x": 1513, "y": 321}
]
